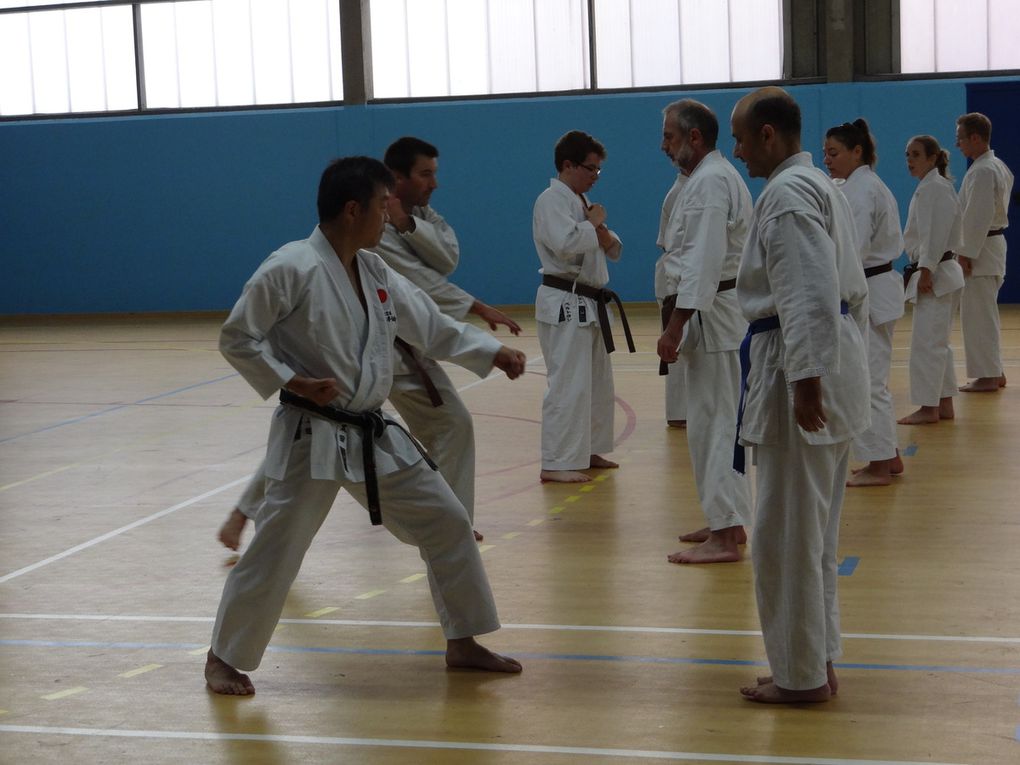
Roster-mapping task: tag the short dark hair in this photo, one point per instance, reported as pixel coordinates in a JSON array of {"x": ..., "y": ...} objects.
[
  {"x": 575, "y": 147},
  {"x": 780, "y": 111},
  {"x": 402, "y": 153},
  {"x": 854, "y": 134},
  {"x": 350, "y": 179},
  {"x": 689, "y": 114},
  {"x": 977, "y": 124}
]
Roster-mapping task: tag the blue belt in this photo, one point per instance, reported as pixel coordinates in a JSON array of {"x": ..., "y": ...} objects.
[{"x": 755, "y": 327}]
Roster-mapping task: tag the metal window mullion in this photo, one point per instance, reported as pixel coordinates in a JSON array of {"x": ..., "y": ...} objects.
[
  {"x": 407, "y": 47},
  {"x": 251, "y": 42},
  {"x": 215, "y": 60},
  {"x": 177, "y": 57},
  {"x": 729, "y": 40},
  {"x": 290, "y": 51},
  {"x": 136, "y": 22},
  {"x": 630, "y": 23},
  {"x": 102, "y": 45},
  {"x": 488, "y": 47},
  {"x": 680, "y": 38},
  {"x": 534, "y": 37},
  {"x": 593, "y": 77},
  {"x": 329, "y": 54},
  {"x": 449, "y": 63},
  {"x": 67, "y": 62}
]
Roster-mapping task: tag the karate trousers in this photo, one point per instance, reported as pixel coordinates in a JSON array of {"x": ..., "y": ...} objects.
[
  {"x": 878, "y": 442},
  {"x": 979, "y": 319},
  {"x": 418, "y": 508},
  {"x": 578, "y": 407},
  {"x": 932, "y": 375},
  {"x": 793, "y": 553}
]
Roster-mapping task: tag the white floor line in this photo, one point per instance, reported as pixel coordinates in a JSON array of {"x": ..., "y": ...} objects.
[
  {"x": 625, "y": 629},
  {"x": 121, "y": 530},
  {"x": 646, "y": 754}
]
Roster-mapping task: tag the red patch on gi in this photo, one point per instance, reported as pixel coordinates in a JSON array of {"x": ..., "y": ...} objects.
[{"x": 383, "y": 297}]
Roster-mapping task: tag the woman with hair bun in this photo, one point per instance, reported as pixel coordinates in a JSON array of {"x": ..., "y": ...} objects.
[
  {"x": 849, "y": 156},
  {"x": 934, "y": 230}
]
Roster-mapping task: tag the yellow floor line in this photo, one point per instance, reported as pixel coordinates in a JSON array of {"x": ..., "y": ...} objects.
[
  {"x": 321, "y": 612},
  {"x": 369, "y": 594},
  {"x": 512, "y": 535},
  {"x": 200, "y": 651},
  {"x": 538, "y": 521},
  {"x": 412, "y": 578},
  {"x": 483, "y": 548},
  {"x": 140, "y": 670},
  {"x": 65, "y": 693}
]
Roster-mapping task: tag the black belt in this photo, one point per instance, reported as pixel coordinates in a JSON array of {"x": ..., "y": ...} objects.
[
  {"x": 601, "y": 296},
  {"x": 909, "y": 269},
  {"x": 372, "y": 425},
  {"x": 669, "y": 305},
  {"x": 876, "y": 270},
  {"x": 997, "y": 232},
  {"x": 411, "y": 357}
]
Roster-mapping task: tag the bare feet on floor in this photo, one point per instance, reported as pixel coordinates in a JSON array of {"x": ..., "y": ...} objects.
[
  {"x": 876, "y": 473},
  {"x": 701, "y": 535},
  {"x": 222, "y": 678},
  {"x": 984, "y": 385},
  {"x": 721, "y": 546},
  {"x": 563, "y": 476},
  {"x": 830, "y": 674},
  {"x": 926, "y": 415},
  {"x": 770, "y": 693},
  {"x": 946, "y": 408},
  {"x": 679, "y": 424},
  {"x": 896, "y": 464},
  {"x": 478, "y": 535},
  {"x": 602, "y": 463},
  {"x": 230, "y": 531},
  {"x": 466, "y": 653}
]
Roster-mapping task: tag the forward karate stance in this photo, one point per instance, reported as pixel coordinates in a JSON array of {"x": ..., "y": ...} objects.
[
  {"x": 704, "y": 239},
  {"x": 932, "y": 236},
  {"x": 676, "y": 373},
  {"x": 850, "y": 156},
  {"x": 573, "y": 244},
  {"x": 984, "y": 200},
  {"x": 802, "y": 287},
  {"x": 318, "y": 319}
]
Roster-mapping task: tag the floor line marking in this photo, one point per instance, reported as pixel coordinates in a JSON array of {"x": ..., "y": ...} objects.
[
  {"x": 848, "y": 565},
  {"x": 200, "y": 651},
  {"x": 537, "y": 521},
  {"x": 366, "y": 596},
  {"x": 64, "y": 693},
  {"x": 483, "y": 548},
  {"x": 412, "y": 578},
  {"x": 518, "y": 626},
  {"x": 322, "y": 612},
  {"x": 140, "y": 670},
  {"x": 647, "y": 754},
  {"x": 122, "y": 529},
  {"x": 511, "y": 535}
]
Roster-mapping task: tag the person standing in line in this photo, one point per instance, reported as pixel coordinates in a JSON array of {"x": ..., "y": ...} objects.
[
  {"x": 675, "y": 374},
  {"x": 984, "y": 199},
  {"x": 802, "y": 288},
  {"x": 704, "y": 240},
  {"x": 850, "y": 157},
  {"x": 933, "y": 234},
  {"x": 573, "y": 244}
]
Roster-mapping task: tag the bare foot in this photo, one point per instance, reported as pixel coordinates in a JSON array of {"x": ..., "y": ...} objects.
[
  {"x": 926, "y": 415},
  {"x": 896, "y": 464},
  {"x": 983, "y": 385},
  {"x": 466, "y": 653},
  {"x": 720, "y": 547},
  {"x": 222, "y": 678},
  {"x": 701, "y": 535},
  {"x": 946, "y": 408},
  {"x": 770, "y": 693},
  {"x": 1002, "y": 381},
  {"x": 601, "y": 462},
  {"x": 680, "y": 424},
  {"x": 478, "y": 535},
  {"x": 875, "y": 474},
  {"x": 230, "y": 531},
  {"x": 563, "y": 476},
  {"x": 830, "y": 674}
]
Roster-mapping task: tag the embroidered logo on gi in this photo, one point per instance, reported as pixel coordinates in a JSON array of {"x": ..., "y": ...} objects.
[{"x": 383, "y": 297}]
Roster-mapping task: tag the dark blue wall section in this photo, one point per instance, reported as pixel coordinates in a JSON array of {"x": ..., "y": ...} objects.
[{"x": 173, "y": 213}]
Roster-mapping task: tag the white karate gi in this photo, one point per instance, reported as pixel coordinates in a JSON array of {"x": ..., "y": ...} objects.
[
  {"x": 425, "y": 256},
  {"x": 704, "y": 238},
  {"x": 799, "y": 262},
  {"x": 877, "y": 222},
  {"x": 934, "y": 226},
  {"x": 676, "y": 373},
  {"x": 578, "y": 407},
  {"x": 300, "y": 314},
  {"x": 984, "y": 200}
]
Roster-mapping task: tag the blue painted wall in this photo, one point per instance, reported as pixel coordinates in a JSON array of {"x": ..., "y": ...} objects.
[{"x": 173, "y": 213}]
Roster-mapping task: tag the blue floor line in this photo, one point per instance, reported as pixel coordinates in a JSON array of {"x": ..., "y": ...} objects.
[{"x": 848, "y": 565}]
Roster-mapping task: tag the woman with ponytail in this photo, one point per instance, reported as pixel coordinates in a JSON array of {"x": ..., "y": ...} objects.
[
  {"x": 850, "y": 157},
  {"x": 934, "y": 230}
]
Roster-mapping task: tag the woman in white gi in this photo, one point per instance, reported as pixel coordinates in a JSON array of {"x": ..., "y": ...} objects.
[
  {"x": 850, "y": 157},
  {"x": 933, "y": 232},
  {"x": 573, "y": 244}
]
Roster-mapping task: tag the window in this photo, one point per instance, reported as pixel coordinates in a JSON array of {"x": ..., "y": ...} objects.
[{"x": 958, "y": 35}]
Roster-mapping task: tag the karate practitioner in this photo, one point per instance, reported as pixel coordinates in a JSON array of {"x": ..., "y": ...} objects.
[
  {"x": 420, "y": 245},
  {"x": 573, "y": 244},
  {"x": 704, "y": 240},
  {"x": 318, "y": 319},
  {"x": 850, "y": 157},
  {"x": 984, "y": 199},
  {"x": 802, "y": 287},
  {"x": 676, "y": 373},
  {"x": 933, "y": 234}
]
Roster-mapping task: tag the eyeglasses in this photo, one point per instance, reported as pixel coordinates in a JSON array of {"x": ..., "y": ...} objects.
[{"x": 591, "y": 168}]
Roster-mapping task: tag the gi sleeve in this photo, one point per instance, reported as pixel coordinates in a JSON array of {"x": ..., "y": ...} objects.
[
  {"x": 979, "y": 199},
  {"x": 701, "y": 255},
  {"x": 936, "y": 213},
  {"x": 564, "y": 237},
  {"x": 434, "y": 241}
]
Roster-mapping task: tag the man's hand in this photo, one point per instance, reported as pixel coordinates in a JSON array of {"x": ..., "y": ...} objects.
[
  {"x": 596, "y": 215},
  {"x": 398, "y": 217},
  {"x": 925, "y": 283},
  {"x": 510, "y": 361},
  {"x": 605, "y": 238},
  {"x": 807, "y": 404},
  {"x": 669, "y": 342},
  {"x": 494, "y": 317},
  {"x": 320, "y": 391},
  {"x": 966, "y": 264}
]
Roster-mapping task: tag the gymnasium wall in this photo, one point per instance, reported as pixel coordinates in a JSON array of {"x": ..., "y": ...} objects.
[{"x": 174, "y": 212}]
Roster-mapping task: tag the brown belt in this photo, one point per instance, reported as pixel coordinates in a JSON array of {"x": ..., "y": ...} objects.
[
  {"x": 411, "y": 357},
  {"x": 997, "y": 232},
  {"x": 909, "y": 269},
  {"x": 669, "y": 305},
  {"x": 876, "y": 270},
  {"x": 601, "y": 297}
]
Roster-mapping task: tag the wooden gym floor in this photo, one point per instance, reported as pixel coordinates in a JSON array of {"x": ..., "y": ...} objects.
[{"x": 124, "y": 441}]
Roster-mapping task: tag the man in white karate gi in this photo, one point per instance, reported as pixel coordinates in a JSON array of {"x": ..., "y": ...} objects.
[
  {"x": 420, "y": 245},
  {"x": 802, "y": 288},
  {"x": 984, "y": 198},
  {"x": 704, "y": 241},
  {"x": 675, "y": 373},
  {"x": 573, "y": 244},
  {"x": 318, "y": 319}
]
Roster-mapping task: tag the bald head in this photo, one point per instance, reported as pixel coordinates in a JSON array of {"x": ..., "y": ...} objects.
[
  {"x": 771, "y": 106},
  {"x": 766, "y": 126}
]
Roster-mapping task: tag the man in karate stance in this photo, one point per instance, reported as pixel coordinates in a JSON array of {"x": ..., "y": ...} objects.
[
  {"x": 318, "y": 319},
  {"x": 802, "y": 288}
]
